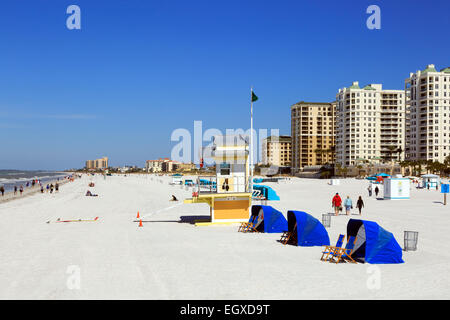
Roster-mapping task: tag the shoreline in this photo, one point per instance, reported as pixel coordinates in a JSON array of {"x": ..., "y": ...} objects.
[{"x": 10, "y": 196}]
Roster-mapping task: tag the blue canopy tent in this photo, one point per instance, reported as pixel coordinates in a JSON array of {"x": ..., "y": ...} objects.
[
  {"x": 267, "y": 219},
  {"x": 373, "y": 243},
  {"x": 308, "y": 231}
]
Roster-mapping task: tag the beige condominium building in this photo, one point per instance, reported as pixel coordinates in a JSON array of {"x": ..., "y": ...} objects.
[
  {"x": 101, "y": 163},
  {"x": 276, "y": 150},
  {"x": 370, "y": 124},
  {"x": 313, "y": 134},
  {"x": 428, "y": 114}
]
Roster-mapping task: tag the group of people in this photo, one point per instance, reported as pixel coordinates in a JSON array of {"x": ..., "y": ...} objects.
[
  {"x": 337, "y": 203},
  {"x": 50, "y": 187},
  {"x": 377, "y": 190}
]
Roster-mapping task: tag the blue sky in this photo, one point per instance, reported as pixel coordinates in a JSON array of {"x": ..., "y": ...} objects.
[{"x": 137, "y": 70}]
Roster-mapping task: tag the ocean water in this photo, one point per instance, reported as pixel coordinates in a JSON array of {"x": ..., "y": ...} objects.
[{"x": 11, "y": 178}]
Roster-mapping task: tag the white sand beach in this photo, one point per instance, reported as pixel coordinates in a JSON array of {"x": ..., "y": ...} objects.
[{"x": 166, "y": 259}]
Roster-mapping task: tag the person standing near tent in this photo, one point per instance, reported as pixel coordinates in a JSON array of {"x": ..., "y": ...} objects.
[
  {"x": 348, "y": 204},
  {"x": 369, "y": 188},
  {"x": 376, "y": 191},
  {"x": 360, "y": 204},
  {"x": 336, "y": 203}
]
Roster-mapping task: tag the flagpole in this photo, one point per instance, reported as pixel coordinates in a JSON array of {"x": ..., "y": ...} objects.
[{"x": 251, "y": 139}]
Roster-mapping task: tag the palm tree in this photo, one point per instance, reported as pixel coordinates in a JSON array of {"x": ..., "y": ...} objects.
[
  {"x": 359, "y": 166},
  {"x": 392, "y": 150},
  {"x": 404, "y": 164}
]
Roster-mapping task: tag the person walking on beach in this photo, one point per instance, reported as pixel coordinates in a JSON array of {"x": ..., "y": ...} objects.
[
  {"x": 42, "y": 188},
  {"x": 15, "y": 190},
  {"x": 48, "y": 187},
  {"x": 56, "y": 187},
  {"x": 336, "y": 203},
  {"x": 51, "y": 188},
  {"x": 2, "y": 190},
  {"x": 348, "y": 204},
  {"x": 360, "y": 204},
  {"x": 376, "y": 191},
  {"x": 21, "y": 189},
  {"x": 369, "y": 188}
]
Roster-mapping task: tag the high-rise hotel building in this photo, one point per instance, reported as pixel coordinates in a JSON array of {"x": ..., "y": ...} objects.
[
  {"x": 370, "y": 124},
  {"x": 276, "y": 150},
  {"x": 97, "y": 164},
  {"x": 428, "y": 114},
  {"x": 313, "y": 134}
]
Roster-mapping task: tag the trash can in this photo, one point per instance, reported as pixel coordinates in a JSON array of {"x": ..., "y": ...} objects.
[
  {"x": 326, "y": 220},
  {"x": 411, "y": 238}
]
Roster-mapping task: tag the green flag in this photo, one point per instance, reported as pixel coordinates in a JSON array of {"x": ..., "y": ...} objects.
[{"x": 254, "y": 97}]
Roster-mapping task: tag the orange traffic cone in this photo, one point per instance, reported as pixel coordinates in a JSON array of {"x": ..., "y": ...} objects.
[
  {"x": 140, "y": 223},
  {"x": 137, "y": 215}
]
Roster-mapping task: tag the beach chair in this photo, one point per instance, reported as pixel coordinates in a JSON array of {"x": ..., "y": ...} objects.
[
  {"x": 248, "y": 226},
  {"x": 285, "y": 237},
  {"x": 343, "y": 254},
  {"x": 332, "y": 249},
  {"x": 288, "y": 236}
]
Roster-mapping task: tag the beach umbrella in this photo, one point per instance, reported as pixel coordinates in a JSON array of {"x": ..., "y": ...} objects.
[{"x": 382, "y": 175}]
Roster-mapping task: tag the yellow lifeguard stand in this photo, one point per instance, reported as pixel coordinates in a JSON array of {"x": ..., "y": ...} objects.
[{"x": 228, "y": 192}]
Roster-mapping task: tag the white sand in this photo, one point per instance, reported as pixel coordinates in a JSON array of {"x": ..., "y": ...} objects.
[{"x": 170, "y": 260}]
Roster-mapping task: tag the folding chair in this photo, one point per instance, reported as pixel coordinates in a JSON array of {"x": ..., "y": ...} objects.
[
  {"x": 288, "y": 236},
  {"x": 248, "y": 226},
  {"x": 332, "y": 249},
  {"x": 343, "y": 254}
]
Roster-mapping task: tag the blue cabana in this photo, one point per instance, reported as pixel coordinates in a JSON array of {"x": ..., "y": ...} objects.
[
  {"x": 308, "y": 230},
  {"x": 266, "y": 191},
  {"x": 373, "y": 243},
  {"x": 268, "y": 220}
]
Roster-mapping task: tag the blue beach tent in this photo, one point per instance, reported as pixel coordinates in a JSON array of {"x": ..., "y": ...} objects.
[
  {"x": 268, "y": 219},
  {"x": 266, "y": 191},
  {"x": 373, "y": 243},
  {"x": 309, "y": 231}
]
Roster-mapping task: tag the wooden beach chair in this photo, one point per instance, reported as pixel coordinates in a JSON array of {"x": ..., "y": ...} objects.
[
  {"x": 248, "y": 226},
  {"x": 285, "y": 237},
  {"x": 329, "y": 250},
  {"x": 343, "y": 254},
  {"x": 288, "y": 236}
]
